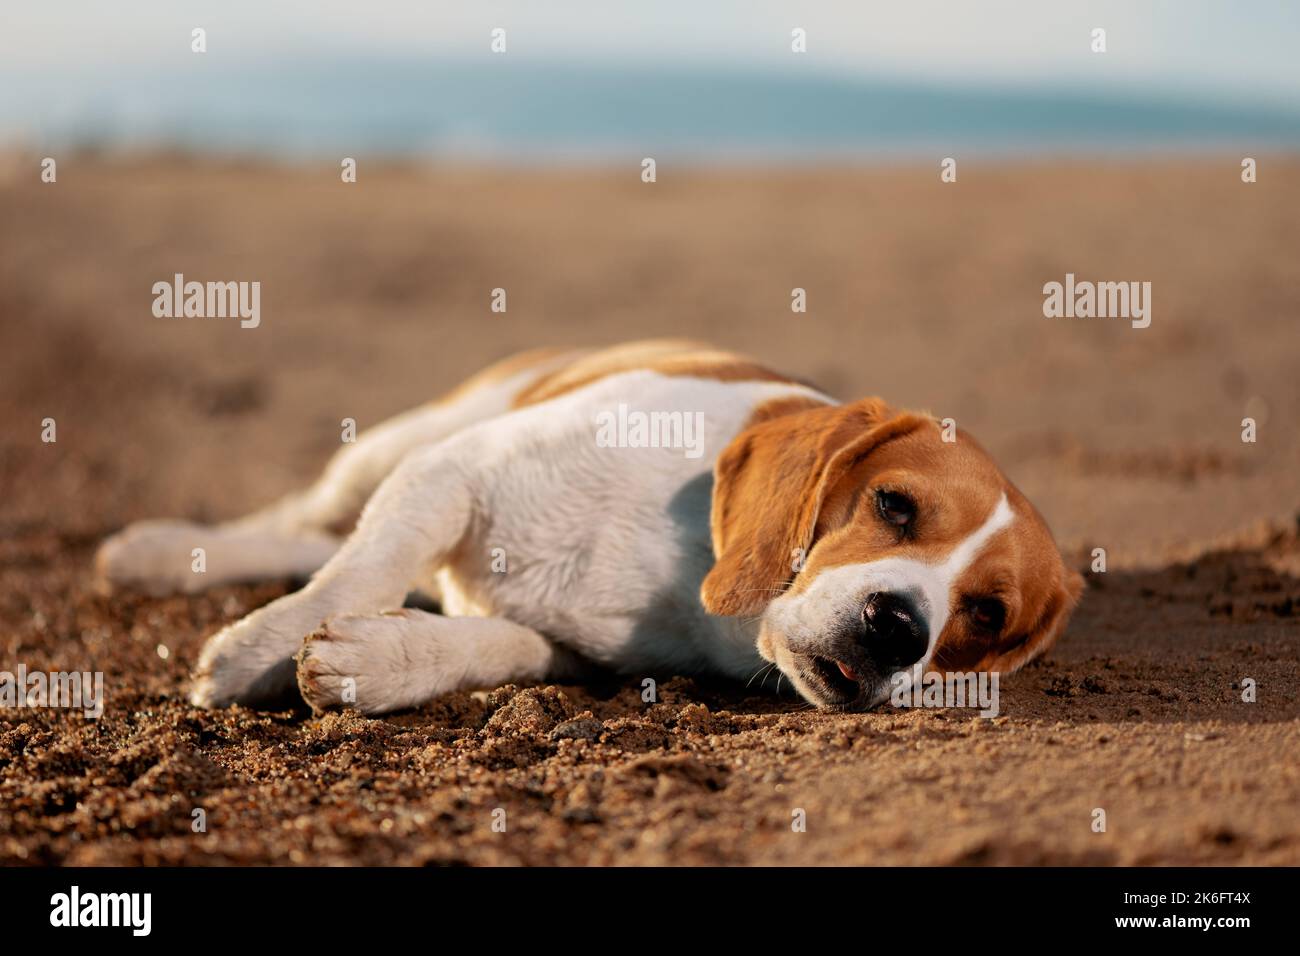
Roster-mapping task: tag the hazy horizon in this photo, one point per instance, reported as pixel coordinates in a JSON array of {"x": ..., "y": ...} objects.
[{"x": 593, "y": 82}]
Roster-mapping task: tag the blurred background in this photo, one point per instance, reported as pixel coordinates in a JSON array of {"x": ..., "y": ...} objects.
[
  {"x": 776, "y": 170},
  {"x": 592, "y": 81}
]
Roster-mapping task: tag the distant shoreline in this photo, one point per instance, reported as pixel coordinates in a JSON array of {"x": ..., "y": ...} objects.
[{"x": 520, "y": 111}]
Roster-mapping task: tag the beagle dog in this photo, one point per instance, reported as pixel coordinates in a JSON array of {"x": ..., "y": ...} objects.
[{"x": 654, "y": 508}]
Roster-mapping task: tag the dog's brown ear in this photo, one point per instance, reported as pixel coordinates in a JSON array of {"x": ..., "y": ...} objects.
[
  {"x": 1046, "y": 630},
  {"x": 768, "y": 488}
]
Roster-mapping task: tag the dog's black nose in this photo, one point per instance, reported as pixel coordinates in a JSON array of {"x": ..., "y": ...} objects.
[{"x": 894, "y": 635}]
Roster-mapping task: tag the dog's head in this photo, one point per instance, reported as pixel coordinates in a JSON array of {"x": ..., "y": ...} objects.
[{"x": 868, "y": 544}]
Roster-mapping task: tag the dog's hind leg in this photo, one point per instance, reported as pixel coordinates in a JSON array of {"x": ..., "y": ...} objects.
[
  {"x": 178, "y": 557},
  {"x": 290, "y": 539},
  {"x": 385, "y": 662},
  {"x": 414, "y": 521},
  {"x": 334, "y": 501},
  {"x": 296, "y": 535}
]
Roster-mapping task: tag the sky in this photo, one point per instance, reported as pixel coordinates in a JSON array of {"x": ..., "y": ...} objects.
[
  {"x": 65, "y": 61},
  {"x": 1238, "y": 47}
]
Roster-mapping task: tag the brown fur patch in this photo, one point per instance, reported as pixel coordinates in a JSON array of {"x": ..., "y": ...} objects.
[
  {"x": 681, "y": 357},
  {"x": 545, "y": 360}
]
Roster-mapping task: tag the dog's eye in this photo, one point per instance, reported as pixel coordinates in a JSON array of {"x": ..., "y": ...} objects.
[
  {"x": 897, "y": 509},
  {"x": 988, "y": 614}
]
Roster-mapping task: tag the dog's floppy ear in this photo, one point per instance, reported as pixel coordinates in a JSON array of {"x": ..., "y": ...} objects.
[
  {"x": 1046, "y": 629},
  {"x": 1049, "y": 627},
  {"x": 768, "y": 489}
]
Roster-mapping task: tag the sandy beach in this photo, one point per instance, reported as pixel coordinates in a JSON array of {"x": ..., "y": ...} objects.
[{"x": 376, "y": 296}]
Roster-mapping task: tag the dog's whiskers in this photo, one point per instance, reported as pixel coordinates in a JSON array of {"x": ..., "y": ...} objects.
[{"x": 766, "y": 671}]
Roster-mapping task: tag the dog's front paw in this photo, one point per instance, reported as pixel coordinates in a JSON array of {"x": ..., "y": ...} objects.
[
  {"x": 211, "y": 688},
  {"x": 156, "y": 557},
  {"x": 251, "y": 662},
  {"x": 327, "y": 679},
  {"x": 366, "y": 662}
]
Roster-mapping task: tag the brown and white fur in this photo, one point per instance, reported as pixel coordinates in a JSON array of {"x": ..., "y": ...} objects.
[{"x": 770, "y": 545}]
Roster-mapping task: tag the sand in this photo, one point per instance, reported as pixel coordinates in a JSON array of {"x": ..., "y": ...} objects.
[{"x": 376, "y": 297}]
